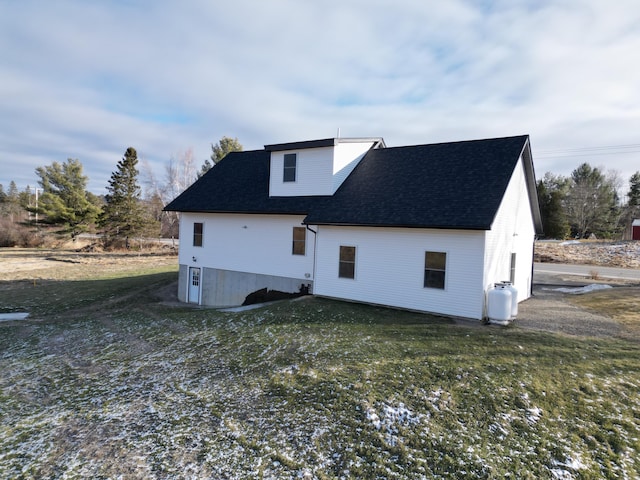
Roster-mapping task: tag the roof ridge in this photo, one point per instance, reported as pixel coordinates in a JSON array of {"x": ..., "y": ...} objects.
[{"x": 509, "y": 137}]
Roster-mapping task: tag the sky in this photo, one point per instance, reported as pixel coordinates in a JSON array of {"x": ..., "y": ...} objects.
[{"x": 87, "y": 80}]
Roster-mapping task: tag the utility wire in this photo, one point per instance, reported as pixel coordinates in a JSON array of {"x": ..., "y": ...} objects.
[{"x": 589, "y": 151}]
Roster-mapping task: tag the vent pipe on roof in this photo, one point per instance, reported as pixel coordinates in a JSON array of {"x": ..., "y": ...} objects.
[{"x": 338, "y": 132}]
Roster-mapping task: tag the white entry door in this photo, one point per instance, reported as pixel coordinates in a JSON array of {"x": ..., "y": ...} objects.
[{"x": 194, "y": 285}]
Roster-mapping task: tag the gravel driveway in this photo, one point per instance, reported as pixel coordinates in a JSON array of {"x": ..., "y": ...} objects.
[{"x": 549, "y": 310}]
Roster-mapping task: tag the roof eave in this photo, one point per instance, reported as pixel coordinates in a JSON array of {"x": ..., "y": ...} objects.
[
  {"x": 245, "y": 212},
  {"x": 532, "y": 188},
  {"x": 324, "y": 142},
  {"x": 382, "y": 225}
]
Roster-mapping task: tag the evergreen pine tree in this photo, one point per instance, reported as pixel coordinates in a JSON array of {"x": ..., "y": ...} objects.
[
  {"x": 124, "y": 215},
  {"x": 12, "y": 194},
  {"x": 64, "y": 200},
  {"x": 551, "y": 194},
  {"x": 218, "y": 151},
  {"x": 11, "y": 205},
  {"x": 632, "y": 209},
  {"x": 634, "y": 190}
]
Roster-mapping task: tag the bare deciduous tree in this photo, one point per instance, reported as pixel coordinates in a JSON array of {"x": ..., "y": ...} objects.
[{"x": 179, "y": 173}]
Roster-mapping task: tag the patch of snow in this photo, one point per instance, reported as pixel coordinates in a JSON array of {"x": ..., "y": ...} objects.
[
  {"x": 499, "y": 429},
  {"x": 560, "y": 474},
  {"x": 581, "y": 290},
  {"x": 570, "y": 242},
  {"x": 390, "y": 418},
  {"x": 290, "y": 370},
  {"x": 244, "y": 308},
  {"x": 533, "y": 415},
  {"x": 571, "y": 464},
  {"x": 8, "y": 317},
  {"x": 400, "y": 414},
  {"x": 373, "y": 417}
]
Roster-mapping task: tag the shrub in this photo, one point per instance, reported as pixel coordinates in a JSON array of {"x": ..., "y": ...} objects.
[{"x": 13, "y": 234}]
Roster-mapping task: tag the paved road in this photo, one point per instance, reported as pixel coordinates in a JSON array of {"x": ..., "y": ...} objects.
[{"x": 545, "y": 269}]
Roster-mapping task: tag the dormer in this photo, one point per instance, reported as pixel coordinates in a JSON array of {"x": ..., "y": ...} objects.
[{"x": 316, "y": 167}]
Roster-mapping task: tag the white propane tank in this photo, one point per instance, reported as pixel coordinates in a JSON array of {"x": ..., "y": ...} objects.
[
  {"x": 499, "y": 305},
  {"x": 514, "y": 298}
]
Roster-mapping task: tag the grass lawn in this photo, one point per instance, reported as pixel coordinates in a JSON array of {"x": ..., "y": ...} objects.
[{"x": 106, "y": 382}]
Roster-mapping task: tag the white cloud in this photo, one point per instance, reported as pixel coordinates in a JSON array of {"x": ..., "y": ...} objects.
[{"x": 87, "y": 80}]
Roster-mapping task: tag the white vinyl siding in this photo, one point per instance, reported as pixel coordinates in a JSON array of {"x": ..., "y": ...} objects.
[
  {"x": 313, "y": 173},
  {"x": 248, "y": 243},
  {"x": 390, "y": 268},
  {"x": 512, "y": 233},
  {"x": 318, "y": 171}
]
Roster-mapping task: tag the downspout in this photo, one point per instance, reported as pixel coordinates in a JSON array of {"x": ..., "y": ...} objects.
[
  {"x": 315, "y": 245},
  {"x": 533, "y": 256}
]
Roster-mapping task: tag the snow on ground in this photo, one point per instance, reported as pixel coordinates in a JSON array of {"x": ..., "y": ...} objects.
[
  {"x": 148, "y": 392},
  {"x": 389, "y": 419},
  {"x": 564, "y": 470},
  {"x": 8, "y": 317},
  {"x": 612, "y": 254},
  {"x": 581, "y": 290}
]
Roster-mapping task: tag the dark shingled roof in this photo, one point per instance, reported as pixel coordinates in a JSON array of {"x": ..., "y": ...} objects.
[
  {"x": 239, "y": 183},
  {"x": 448, "y": 185}
]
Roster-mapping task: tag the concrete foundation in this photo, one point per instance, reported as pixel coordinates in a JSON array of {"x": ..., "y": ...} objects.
[
  {"x": 226, "y": 288},
  {"x": 183, "y": 282}
]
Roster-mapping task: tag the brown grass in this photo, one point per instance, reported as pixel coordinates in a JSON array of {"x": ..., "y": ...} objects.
[
  {"x": 36, "y": 264},
  {"x": 620, "y": 303}
]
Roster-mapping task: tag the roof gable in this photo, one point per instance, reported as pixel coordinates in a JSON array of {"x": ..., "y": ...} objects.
[{"x": 447, "y": 185}]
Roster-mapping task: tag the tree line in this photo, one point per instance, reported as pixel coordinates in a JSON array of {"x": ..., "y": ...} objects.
[
  {"x": 63, "y": 205},
  {"x": 583, "y": 204},
  {"x": 587, "y": 204}
]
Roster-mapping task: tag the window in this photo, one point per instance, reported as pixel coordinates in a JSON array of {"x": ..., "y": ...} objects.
[
  {"x": 512, "y": 269},
  {"x": 197, "y": 234},
  {"x": 435, "y": 264},
  {"x": 299, "y": 240},
  {"x": 347, "y": 267},
  {"x": 289, "y": 174}
]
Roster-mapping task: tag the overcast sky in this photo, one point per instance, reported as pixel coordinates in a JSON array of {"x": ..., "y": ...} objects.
[{"x": 87, "y": 80}]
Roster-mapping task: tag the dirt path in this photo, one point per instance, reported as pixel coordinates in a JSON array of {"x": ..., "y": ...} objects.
[{"x": 551, "y": 311}]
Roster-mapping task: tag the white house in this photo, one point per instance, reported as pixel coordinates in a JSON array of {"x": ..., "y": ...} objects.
[{"x": 425, "y": 227}]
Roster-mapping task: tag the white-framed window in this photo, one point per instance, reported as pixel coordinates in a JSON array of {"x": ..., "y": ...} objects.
[
  {"x": 435, "y": 267},
  {"x": 198, "y": 232},
  {"x": 512, "y": 269},
  {"x": 289, "y": 170},
  {"x": 347, "y": 265},
  {"x": 299, "y": 241}
]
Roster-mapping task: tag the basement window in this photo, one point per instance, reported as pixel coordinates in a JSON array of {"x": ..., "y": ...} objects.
[
  {"x": 299, "y": 240},
  {"x": 289, "y": 172},
  {"x": 197, "y": 234},
  {"x": 435, "y": 265},
  {"x": 347, "y": 266}
]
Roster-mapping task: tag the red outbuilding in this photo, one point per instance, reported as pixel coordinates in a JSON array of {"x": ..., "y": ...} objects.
[{"x": 635, "y": 229}]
